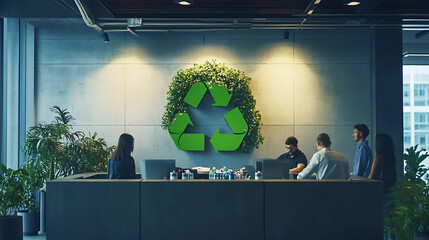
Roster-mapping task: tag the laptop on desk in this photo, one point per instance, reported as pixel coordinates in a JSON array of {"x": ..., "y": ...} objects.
[
  {"x": 156, "y": 168},
  {"x": 275, "y": 169}
]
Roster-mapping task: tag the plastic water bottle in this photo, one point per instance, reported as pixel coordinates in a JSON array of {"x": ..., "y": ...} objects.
[
  {"x": 212, "y": 174},
  {"x": 173, "y": 175},
  {"x": 258, "y": 175}
]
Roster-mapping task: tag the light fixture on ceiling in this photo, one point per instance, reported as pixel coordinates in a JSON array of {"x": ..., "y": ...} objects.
[
  {"x": 407, "y": 54},
  {"x": 106, "y": 38},
  {"x": 184, "y": 2},
  {"x": 134, "y": 22},
  {"x": 351, "y": 2},
  {"x": 286, "y": 34}
]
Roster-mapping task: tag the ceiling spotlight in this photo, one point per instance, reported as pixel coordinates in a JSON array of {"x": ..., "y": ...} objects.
[
  {"x": 286, "y": 34},
  {"x": 106, "y": 38},
  {"x": 351, "y": 2},
  {"x": 184, "y": 2},
  {"x": 421, "y": 34}
]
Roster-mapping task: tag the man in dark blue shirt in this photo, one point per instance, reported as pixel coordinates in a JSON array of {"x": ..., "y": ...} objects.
[
  {"x": 297, "y": 159},
  {"x": 363, "y": 156}
]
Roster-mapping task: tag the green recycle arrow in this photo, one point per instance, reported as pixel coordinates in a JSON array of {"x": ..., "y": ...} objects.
[
  {"x": 230, "y": 142},
  {"x": 198, "y": 90},
  {"x": 195, "y": 141},
  {"x": 188, "y": 141}
]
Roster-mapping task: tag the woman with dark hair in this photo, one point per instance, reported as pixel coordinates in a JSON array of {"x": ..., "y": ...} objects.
[
  {"x": 384, "y": 165},
  {"x": 121, "y": 165}
]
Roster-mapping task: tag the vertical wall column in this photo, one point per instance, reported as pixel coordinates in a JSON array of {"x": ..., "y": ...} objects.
[
  {"x": 387, "y": 88},
  {"x": 17, "y": 81},
  {"x": 11, "y": 90},
  {"x": 26, "y": 84},
  {"x": 2, "y": 120}
]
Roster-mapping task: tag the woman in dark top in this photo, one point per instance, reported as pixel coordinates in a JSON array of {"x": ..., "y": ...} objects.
[
  {"x": 121, "y": 165},
  {"x": 384, "y": 165}
]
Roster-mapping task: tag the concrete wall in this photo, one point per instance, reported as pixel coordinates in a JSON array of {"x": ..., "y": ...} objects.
[{"x": 316, "y": 81}]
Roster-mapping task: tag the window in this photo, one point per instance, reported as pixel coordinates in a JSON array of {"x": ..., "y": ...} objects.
[
  {"x": 406, "y": 94},
  {"x": 421, "y": 94},
  {"x": 416, "y": 106},
  {"x": 407, "y": 121}
]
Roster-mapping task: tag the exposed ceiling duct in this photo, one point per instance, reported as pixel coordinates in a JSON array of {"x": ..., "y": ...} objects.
[
  {"x": 136, "y": 16},
  {"x": 89, "y": 19}
]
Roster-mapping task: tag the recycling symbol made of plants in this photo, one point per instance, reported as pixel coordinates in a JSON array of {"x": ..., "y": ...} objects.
[{"x": 195, "y": 141}]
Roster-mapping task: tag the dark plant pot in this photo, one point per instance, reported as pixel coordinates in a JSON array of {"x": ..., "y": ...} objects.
[
  {"x": 11, "y": 227},
  {"x": 30, "y": 222},
  {"x": 421, "y": 236}
]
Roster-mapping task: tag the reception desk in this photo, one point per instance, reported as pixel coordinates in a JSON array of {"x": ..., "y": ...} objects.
[{"x": 87, "y": 206}]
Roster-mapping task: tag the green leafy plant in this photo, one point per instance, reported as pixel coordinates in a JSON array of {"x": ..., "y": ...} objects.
[
  {"x": 409, "y": 204},
  {"x": 54, "y": 150},
  {"x": 234, "y": 80},
  {"x": 12, "y": 194}
]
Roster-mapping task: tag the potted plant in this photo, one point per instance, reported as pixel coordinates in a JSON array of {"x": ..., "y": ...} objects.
[
  {"x": 409, "y": 199},
  {"x": 30, "y": 207},
  {"x": 58, "y": 151},
  {"x": 54, "y": 150},
  {"x": 11, "y": 198}
]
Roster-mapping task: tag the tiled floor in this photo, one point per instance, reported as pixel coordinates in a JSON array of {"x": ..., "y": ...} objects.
[{"x": 37, "y": 237}]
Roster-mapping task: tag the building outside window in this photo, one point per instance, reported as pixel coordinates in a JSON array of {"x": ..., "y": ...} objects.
[{"x": 416, "y": 106}]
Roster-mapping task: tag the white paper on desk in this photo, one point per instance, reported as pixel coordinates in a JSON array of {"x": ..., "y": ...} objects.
[{"x": 202, "y": 170}]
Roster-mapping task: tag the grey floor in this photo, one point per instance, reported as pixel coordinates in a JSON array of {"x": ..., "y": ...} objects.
[{"x": 37, "y": 237}]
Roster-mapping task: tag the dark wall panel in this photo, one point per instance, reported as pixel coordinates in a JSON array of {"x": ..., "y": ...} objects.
[
  {"x": 388, "y": 95},
  {"x": 202, "y": 210},
  {"x": 93, "y": 210},
  {"x": 323, "y": 210}
]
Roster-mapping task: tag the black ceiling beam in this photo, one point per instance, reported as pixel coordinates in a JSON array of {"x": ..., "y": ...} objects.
[{"x": 366, "y": 6}]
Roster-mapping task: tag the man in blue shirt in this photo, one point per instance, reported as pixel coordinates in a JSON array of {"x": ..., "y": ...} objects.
[{"x": 363, "y": 156}]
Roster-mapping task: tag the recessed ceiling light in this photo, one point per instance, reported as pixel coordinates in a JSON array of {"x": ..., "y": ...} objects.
[
  {"x": 184, "y": 2},
  {"x": 353, "y": 3}
]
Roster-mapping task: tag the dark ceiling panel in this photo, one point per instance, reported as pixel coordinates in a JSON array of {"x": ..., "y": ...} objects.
[
  {"x": 403, "y": 7},
  {"x": 144, "y": 8}
]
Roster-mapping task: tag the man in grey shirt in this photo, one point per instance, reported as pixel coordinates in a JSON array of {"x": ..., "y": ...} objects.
[{"x": 325, "y": 163}]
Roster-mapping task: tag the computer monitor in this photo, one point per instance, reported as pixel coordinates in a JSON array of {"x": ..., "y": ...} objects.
[
  {"x": 275, "y": 169},
  {"x": 156, "y": 168}
]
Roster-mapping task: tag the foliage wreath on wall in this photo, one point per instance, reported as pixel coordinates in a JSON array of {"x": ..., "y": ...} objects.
[{"x": 234, "y": 80}]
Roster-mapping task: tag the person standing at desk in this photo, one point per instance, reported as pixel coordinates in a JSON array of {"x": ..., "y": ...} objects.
[
  {"x": 297, "y": 159},
  {"x": 384, "y": 166},
  {"x": 363, "y": 156},
  {"x": 326, "y": 163},
  {"x": 121, "y": 165}
]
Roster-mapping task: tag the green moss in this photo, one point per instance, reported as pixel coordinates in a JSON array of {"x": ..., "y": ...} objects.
[{"x": 234, "y": 80}]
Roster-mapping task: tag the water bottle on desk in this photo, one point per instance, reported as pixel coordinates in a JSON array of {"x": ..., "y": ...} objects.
[
  {"x": 212, "y": 174},
  {"x": 258, "y": 175},
  {"x": 173, "y": 175}
]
